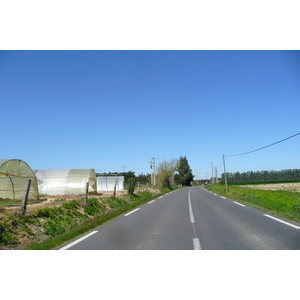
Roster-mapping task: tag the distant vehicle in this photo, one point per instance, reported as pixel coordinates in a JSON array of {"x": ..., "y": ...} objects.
[{"x": 205, "y": 183}]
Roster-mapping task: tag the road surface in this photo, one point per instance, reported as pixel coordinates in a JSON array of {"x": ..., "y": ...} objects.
[{"x": 192, "y": 219}]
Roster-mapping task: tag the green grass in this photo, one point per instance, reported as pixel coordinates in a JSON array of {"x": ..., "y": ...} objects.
[
  {"x": 281, "y": 203},
  {"x": 262, "y": 182},
  {"x": 65, "y": 222},
  {"x": 9, "y": 202}
]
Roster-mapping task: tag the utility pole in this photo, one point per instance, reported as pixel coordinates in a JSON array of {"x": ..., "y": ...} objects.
[
  {"x": 216, "y": 171},
  {"x": 124, "y": 169},
  {"x": 154, "y": 179},
  {"x": 151, "y": 172},
  {"x": 212, "y": 172},
  {"x": 226, "y": 188}
]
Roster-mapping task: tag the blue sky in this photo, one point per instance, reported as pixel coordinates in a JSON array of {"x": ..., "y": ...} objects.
[{"x": 110, "y": 109}]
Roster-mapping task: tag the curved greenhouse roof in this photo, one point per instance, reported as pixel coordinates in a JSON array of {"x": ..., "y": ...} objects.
[
  {"x": 13, "y": 180},
  {"x": 66, "y": 182}
]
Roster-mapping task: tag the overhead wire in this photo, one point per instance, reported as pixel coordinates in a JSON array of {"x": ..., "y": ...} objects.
[{"x": 264, "y": 146}]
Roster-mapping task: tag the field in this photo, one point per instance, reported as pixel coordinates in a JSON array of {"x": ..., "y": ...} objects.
[
  {"x": 281, "y": 199},
  {"x": 288, "y": 187}
]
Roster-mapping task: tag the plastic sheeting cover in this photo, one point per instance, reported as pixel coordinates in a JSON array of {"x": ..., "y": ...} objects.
[
  {"x": 66, "y": 182},
  {"x": 107, "y": 183},
  {"x": 13, "y": 180}
]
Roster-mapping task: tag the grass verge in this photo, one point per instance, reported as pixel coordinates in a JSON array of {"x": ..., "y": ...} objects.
[
  {"x": 281, "y": 203},
  {"x": 48, "y": 228}
]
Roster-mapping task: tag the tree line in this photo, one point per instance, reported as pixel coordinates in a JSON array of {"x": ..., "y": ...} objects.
[
  {"x": 288, "y": 174},
  {"x": 168, "y": 173}
]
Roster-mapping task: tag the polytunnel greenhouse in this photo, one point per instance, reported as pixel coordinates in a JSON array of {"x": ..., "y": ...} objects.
[
  {"x": 65, "y": 182},
  {"x": 107, "y": 183},
  {"x": 14, "y": 175}
]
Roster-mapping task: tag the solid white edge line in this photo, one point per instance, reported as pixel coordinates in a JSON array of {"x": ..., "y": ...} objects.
[
  {"x": 238, "y": 203},
  {"x": 196, "y": 243},
  {"x": 151, "y": 201},
  {"x": 286, "y": 223},
  {"x": 131, "y": 212},
  {"x": 78, "y": 241}
]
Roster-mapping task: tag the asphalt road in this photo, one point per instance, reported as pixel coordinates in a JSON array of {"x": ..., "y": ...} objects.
[{"x": 192, "y": 219}]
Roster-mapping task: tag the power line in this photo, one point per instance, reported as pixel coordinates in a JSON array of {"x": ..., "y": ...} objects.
[{"x": 264, "y": 146}]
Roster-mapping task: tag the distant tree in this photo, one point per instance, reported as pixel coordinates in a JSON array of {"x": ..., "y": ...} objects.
[
  {"x": 144, "y": 178},
  {"x": 263, "y": 175},
  {"x": 185, "y": 175},
  {"x": 165, "y": 172},
  {"x": 131, "y": 185}
]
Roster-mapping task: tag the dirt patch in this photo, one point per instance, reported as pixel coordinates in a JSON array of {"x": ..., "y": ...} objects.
[
  {"x": 57, "y": 200},
  {"x": 288, "y": 187}
]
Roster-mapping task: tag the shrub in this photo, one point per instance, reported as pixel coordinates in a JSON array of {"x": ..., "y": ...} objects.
[
  {"x": 71, "y": 205},
  {"x": 131, "y": 185},
  {"x": 53, "y": 228},
  {"x": 94, "y": 207},
  {"x": 115, "y": 203}
]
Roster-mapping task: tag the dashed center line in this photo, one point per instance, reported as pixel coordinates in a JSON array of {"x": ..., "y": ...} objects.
[{"x": 196, "y": 241}]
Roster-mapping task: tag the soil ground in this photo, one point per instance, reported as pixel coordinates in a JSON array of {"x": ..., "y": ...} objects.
[{"x": 48, "y": 201}]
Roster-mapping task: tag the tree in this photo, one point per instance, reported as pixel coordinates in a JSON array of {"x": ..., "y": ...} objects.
[
  {"x": 185, "y": 175},
  {"x": 165, "y": 172}
]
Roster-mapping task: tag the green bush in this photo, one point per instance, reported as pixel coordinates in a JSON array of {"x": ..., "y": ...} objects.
[
  {"x": 53, "y": 228},
  {"x": 71, "y": 205},
  {"x": 115, "y": 203},
  {"x": 94, "y": 207},
  {"x": 7, "y": 234},
  {"x": 131, "y": 185},
  {"x": 145, "y": 195},
  {"x": 48, "y": 212}
]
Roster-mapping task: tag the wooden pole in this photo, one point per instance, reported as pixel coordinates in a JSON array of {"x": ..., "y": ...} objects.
[
  {"x": 226, "y": 187},
  {"x": 114, "y": 194},
  {"x": 25, "y": 197},
  {"x": 86, "y": 194}
]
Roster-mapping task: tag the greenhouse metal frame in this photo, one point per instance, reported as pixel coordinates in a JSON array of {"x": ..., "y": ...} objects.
[{"x": 14, "y": 175}]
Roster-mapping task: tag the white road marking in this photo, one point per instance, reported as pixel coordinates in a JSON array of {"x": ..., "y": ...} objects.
[
  {"x": 151, "y": 201},
  {"x": 190, "y": 208},
  {"x": 286, "y": 223},
  {"x": 238, "y": 203},
  {"x": 196, "y": 243},
  {"x": 131, "y": 212},
  {"x": 223, "y": 197},
  {"x": 78, "y": 241},
  {"x": 160, "y": 197}
]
